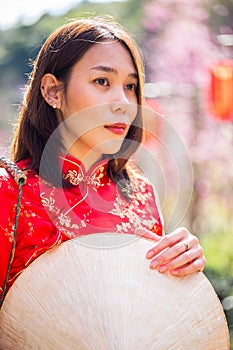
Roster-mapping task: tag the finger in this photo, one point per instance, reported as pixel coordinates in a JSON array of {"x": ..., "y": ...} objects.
[
  {"x": 142, "y": 232},
  {"x": 196, "y": 266},
  {"x": 177, "y": 262},
  {"x": 166, "y": 242},
  {"x": 169, "y": 255}
]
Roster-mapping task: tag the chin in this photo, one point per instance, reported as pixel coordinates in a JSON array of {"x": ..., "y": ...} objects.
[{"x": 110, "y": 147}]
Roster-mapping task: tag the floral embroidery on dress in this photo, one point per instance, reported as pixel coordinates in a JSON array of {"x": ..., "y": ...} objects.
[
  {"x": 9, "y": 233},
  {"x": 136, "y": 216},
  {"x": 136, "y": 211},
  {"x": 49, "y": 203},
  {"x": 76, "y": 178},
  {"x": 78, "y": 215},
  {"x": 63, "y": 220}
]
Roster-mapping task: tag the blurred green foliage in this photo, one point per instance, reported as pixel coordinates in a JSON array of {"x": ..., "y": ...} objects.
[
  {"x": 219, "y": 253},
  {"x": 218, "y": 248}
]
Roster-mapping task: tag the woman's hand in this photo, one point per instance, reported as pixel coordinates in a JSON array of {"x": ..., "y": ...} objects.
[{"x": 178, "y": 253}]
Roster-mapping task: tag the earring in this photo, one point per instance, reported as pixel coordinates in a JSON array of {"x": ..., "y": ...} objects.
[{"x": 54, "y": 105}]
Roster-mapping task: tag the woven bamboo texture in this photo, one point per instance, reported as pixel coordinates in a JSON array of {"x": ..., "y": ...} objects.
[{"x": 98, "y": 293}]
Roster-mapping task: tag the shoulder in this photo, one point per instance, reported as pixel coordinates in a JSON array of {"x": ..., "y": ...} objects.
[
  {"x": 9, "y": 172},
  {"x": 142, "y": 184},
  {"x": 6, "y": 180},
  {"x": 137, "y": 176}
]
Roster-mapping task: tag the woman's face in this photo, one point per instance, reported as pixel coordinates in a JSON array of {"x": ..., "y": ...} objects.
[{"x": 101, "y": 98}]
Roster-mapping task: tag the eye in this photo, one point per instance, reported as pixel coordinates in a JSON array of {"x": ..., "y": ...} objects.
[
  {"x": 102, "y": 81},
  {"x": 131, "y": 87}
]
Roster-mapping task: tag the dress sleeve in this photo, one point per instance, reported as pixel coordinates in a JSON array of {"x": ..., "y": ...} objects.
[{"x": 8, "y": 199}]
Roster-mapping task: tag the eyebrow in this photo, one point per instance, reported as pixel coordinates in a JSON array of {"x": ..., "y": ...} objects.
[{"x": 113, "y": 70}]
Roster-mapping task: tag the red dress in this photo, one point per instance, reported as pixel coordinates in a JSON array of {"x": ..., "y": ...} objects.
[{"x": 50, "y": 215}]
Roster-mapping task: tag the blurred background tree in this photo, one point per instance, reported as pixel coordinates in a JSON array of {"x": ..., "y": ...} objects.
[{"x": 181, "y": 40}]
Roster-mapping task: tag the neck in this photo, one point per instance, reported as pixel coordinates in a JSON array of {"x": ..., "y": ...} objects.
[{"x": 88, "y": 159}]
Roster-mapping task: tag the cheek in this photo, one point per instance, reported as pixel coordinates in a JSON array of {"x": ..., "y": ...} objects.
[
  {"x": 81, "y": 122},
  {"x": 76, "y": 100}
]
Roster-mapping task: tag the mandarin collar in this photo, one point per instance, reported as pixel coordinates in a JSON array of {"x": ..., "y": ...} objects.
[{"x": 74, "y": 172}]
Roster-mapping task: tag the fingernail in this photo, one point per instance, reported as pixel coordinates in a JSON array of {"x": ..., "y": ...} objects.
[
  {"x": 149, "y": 254},
  {"x": 153, "y": 265},
  {"x": 162, "y": 268}
]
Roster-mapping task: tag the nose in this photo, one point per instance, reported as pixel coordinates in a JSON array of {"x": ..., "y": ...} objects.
[
  {"x": 119, "y": 107},
  {"x": 120, "y": 102}
]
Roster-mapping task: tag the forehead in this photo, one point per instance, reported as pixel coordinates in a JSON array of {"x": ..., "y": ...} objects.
[{"x": 108, "y": 53}]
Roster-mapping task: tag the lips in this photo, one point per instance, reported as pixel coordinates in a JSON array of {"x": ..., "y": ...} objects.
[{"x": 117, "y": 128}]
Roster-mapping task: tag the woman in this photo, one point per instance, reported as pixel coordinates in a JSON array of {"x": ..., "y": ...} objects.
[{"x": 79, "y": 124}]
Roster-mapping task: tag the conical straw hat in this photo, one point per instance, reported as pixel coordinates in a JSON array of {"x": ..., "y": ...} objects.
[{"x": 98, "y": 293}]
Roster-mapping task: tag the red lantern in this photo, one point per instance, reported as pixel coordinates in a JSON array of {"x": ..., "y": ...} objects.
[{"x": 221, "y": 90}]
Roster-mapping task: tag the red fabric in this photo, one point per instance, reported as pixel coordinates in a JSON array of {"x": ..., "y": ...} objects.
[{"x": 50, "y": 216}]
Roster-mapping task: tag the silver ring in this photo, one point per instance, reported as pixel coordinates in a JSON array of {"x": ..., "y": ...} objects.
[{"x": 186, "y": 246}]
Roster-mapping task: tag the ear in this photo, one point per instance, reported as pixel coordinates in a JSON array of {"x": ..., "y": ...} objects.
[{"x": 52, "y": 90}]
